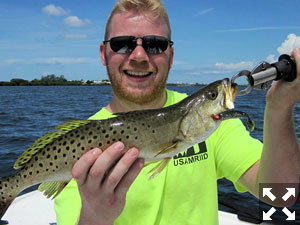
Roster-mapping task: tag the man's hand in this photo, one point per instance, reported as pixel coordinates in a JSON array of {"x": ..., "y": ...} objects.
[
  {"x": 103, "y": 185},
  {"x": 284, "y": 95}
]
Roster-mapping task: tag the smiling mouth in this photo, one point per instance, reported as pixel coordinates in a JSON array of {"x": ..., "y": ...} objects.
[{"x": 137, "y": 74}]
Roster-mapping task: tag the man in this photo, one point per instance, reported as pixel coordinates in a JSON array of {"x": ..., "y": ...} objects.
[{"x": 179, "y": 195}]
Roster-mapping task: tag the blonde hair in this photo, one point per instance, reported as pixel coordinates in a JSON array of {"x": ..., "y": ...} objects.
[{"x": 153, "y": 7}]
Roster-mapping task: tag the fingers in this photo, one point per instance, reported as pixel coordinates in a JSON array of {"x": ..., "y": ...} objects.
[
  {"x": 123, "y": 168},
  {"x": 97, "y": 169},
  {"x": 103, "y": 164},
  {"x": 81, "y": 167},
  {"x": 128, "y": 179},
  {"x": 296, "y": 55}
]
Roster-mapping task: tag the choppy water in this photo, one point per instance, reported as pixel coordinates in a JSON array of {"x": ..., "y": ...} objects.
[{"x": 26, "y": 113}]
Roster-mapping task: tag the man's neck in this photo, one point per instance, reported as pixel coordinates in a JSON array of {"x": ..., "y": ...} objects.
[{"x": 120, "y": 105}]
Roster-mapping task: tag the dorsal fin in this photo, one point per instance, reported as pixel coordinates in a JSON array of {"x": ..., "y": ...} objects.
[{"x": 40, "y": 143}]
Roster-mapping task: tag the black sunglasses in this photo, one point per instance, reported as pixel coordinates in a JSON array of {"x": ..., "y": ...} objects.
[{"x": 151, "y": 43}]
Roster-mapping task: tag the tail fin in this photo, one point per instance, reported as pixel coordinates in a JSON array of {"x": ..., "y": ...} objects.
[{"x": 9, "y": 189}]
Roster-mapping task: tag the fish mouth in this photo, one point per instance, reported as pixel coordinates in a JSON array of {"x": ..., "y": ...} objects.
[{"x": 230, "y": 91}]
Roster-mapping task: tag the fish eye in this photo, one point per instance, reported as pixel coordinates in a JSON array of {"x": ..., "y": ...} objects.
[{"x": 212, "y": 95}]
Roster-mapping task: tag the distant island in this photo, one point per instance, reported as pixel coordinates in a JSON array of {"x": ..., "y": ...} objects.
[{"x": 53, "y": 80}]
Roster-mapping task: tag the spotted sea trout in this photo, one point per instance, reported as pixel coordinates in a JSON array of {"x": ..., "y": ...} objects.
[{"x": 159, "y": 134}]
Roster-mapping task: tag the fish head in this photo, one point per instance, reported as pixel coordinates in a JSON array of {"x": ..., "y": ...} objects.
[
  {"x": 220, "y": 95},
  {"x": 215, "y": 98}
]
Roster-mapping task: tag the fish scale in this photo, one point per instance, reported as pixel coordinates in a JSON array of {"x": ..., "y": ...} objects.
[{"x": 159, "y": 134}]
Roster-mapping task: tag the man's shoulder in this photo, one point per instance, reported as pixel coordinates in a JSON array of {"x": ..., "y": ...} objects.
[
  {"x": 101, "y": 114},
  {"x": 174, "y": 97}
]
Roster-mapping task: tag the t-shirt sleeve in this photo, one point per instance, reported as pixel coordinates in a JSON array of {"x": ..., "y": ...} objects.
[{"x": 235, "y": 151}]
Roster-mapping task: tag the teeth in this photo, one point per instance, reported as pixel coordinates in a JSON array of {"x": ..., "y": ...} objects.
[{"x": 133, "y": 73}]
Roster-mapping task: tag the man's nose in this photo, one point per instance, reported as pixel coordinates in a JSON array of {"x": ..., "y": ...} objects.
[{"x": 139, "y": 54}]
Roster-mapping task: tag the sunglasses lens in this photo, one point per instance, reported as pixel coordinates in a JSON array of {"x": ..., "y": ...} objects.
[
  {"x": 123, "y": 44},
  {"x": 155, "y": 44},
  {"x": 152, "y": 44}
]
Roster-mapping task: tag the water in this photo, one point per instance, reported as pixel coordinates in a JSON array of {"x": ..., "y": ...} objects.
[{"x": 27, "y": 112}]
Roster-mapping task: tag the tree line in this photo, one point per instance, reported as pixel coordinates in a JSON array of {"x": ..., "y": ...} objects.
[{"x": 47, "y": 80}]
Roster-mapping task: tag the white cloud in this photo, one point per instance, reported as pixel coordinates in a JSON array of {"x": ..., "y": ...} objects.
[
  {"x": 271, "y": 58},
  {"x": 54, "y": 10},
  {"x": 74, "y": 21},
  {"x": 289, "y": 44},
  {"x": 75, "y": 36},
  {"x": 235, "y": 66},
  {"x": 205, "y": 11},
  {"x": 258, "y": 29}
]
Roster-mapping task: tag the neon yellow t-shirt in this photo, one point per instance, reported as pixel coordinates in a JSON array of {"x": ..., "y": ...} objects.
[{"x": 185, "y": 192}]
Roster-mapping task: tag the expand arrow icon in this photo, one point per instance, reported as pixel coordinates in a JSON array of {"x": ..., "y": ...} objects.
[
  {"x": 267, "y": 215},
  {"x": 290, "y": 192},
  {"x": 267, "y": 192},
  {"x": 291, "y": 216}
]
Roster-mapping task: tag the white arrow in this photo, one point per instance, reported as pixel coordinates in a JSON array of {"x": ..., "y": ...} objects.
[
  {"x": 290, "y": 192},
  {"x": 291, "y": 216},
  {"x": 267, "y": 191},
  {"x": 267, "y": 215}
]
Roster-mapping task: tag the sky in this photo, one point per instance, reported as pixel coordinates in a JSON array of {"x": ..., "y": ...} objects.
[{"x": 213, "y": 39}]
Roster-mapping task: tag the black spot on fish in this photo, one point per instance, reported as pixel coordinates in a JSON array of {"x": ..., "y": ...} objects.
[
  {"x": 68, "y": 148},
  {"x": 90, "y": 141},
  {"x": 64, "y": 143},
  {"x": 91, "y": 133},
  {"x": 107, "y": 136},
  {"x": 82, "y": 138},
  {"x": 95, "y": 137},
  {"x": 108, "y": 142},
  {"x": 74, "y": 150},
  {"x": 100, "y": 144},
  {"x": 40, "y": 164},
  {"x": 114, "y": 132},
  {"x": 48, "y": 156},
  {"x": 78, "y": 145},
  {"x": 72, "y": 142}
]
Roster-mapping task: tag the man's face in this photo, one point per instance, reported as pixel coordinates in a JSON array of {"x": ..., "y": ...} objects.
[{"x": 138, "y": 76}]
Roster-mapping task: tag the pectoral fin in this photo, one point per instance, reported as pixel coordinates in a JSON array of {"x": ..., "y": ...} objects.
[
  {"x": 169, "y": 147},
  {"x": 52, "y": 189},
  {"x": 159, "y": 167}
]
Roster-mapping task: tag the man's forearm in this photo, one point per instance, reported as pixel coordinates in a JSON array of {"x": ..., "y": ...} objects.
[{"x": 280, "y": 161}]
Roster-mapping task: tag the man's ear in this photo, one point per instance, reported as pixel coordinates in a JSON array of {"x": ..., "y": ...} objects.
[
  {"x": 102, "y": 53},
  {"x": 171, "y": 56}
]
